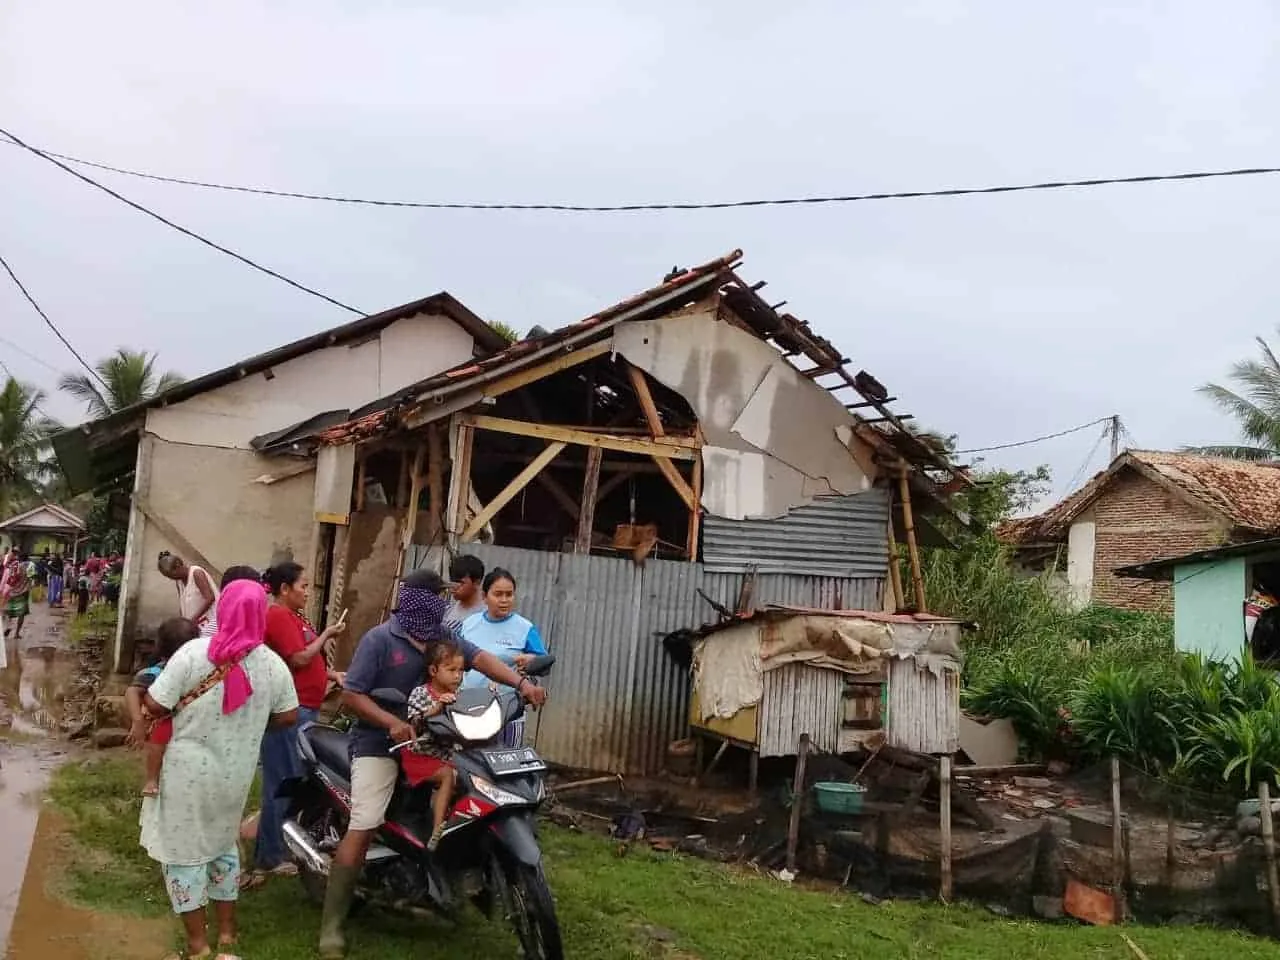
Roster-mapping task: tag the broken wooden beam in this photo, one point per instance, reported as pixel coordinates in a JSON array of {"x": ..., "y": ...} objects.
[{"x": 679, "y": 448}]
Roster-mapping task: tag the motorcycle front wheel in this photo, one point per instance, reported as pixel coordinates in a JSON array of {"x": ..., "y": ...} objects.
[{"x": 533, "y": 913}]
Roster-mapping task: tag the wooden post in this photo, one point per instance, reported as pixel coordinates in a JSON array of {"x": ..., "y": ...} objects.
[
  {"x": 695, "y": 513},
  {"x": 895, "y": 569},
  {"x": 944, "y": 840},
  {"x": 360, "y": 481},
  {"x": 1269, "y": 846},
  {"x": 435, "y": 480},
  {"x": 460, "y": 479},
  {"x": 797, "y": 802},
  {"x": 1117, "y": 841},
  {"x": 587, "y": 512},
  {"x": 405, "y": 481},
  {"x": 909, "y": 525},
  {"x": 410, "y": 524}
]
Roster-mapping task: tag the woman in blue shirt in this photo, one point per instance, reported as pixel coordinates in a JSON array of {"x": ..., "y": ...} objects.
[{"x": 499, "y": 630}]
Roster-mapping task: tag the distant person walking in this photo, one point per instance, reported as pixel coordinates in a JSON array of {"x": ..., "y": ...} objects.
[
  {"x": 15, "y": 591},
  {"x": 56, "y": 567},
  {"x": 197, "y": 593}
]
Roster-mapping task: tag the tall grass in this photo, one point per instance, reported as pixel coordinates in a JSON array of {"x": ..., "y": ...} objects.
[{"x": 1092, "y": 683}]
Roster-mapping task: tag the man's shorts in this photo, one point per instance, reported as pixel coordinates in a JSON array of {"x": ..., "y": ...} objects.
[
  {"x": 192, "y": 887},
  {"x": 373, "y": 780}
]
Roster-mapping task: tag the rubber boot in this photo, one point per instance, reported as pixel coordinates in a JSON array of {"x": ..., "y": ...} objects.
[{"x": 337, "y": 904}]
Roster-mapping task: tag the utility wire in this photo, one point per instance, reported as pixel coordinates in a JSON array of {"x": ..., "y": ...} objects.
[
  {"x": 1079, "y": 474},
  {"x": 1027, "y": 443},
  {"x": 28, "y": 354},
  {"x": 634, "y": 207},
  {"x": 181, "y": 229},
  {"x": 52, "y": 326}
]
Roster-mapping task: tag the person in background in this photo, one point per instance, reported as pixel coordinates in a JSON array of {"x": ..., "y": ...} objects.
[
  {"x": 154, "y": 737},
  {"x": 222, "y": 693},
  {"x": 112, "y": 580},
  {"x": 467, "y": 574},
  {"x": 83, "y": 584},
  {"x": 290, "y": 635},
  {"x": 501, "y": 631},
  {"x": 15, "y": 591},
  {"x": 392, "y": 655},
  {"x": 56, "y": 566},
  {"x": 240, "y": 572},
  {"x": 197, "y": 596}
]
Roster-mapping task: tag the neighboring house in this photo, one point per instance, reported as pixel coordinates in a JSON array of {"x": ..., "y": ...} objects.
[
  {"x": 1209, "y": 590},
  {"x": 200, "y": 490},
  {"x": 685, "y": 449},
  {"x": 45, "y": 524},
  {"x": 1147, "y": 505}
]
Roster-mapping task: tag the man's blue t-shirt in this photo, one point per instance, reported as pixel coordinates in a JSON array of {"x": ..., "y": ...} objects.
[{"x": 387, "y": 659}]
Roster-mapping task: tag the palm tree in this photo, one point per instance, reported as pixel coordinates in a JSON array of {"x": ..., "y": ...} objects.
[
  {"x": 505, "y": 330},
  {"x": 24, "y": 437},
  {"x": 1254, "y": 404},
  {"x": 128, "y": 377}
]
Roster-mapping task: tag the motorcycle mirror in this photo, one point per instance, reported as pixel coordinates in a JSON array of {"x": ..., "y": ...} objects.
[
  {"x": 389, "y": 695},
  {"x": 540, "y": 666}
]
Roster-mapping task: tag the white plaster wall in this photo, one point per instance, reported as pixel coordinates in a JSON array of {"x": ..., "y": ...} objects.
[
  {"x": 338, "y": 377},
  {"x": 209, "y": 495},
  {"x": 1081, "y": 538},
  {"x": 772, "y": 435}
]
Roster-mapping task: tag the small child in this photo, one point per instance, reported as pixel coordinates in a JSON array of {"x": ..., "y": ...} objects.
[
  {"x": 430, "y": 763},
  {"x": 146, "y": 732}
]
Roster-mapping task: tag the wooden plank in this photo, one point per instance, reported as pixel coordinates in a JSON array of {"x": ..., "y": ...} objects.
[
  {"x": 797, "y": 801},
  {"x": 590, "y": 486},
  {"x": 410, "y": 524},
  {"x": 190, "y": 552},
  {"x": 460, "y": 480},
  {"x": 339, "y": 519},
  {"x": 521, "y": 480},
  {"x": 695, "y": 512},
  {"x": 541, "y": 371},
  {"x": 360, "y": 481},
  {"x": 944, "y": 814},
  {"x": 679, "y": 448},
  {"x": 552, "y": 486},
  {"x": 668, "y": 470},
  {"x": 650, "y": 409}
]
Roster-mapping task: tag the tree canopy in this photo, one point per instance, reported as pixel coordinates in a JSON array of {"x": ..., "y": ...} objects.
[{"x": 128, "y": 377}]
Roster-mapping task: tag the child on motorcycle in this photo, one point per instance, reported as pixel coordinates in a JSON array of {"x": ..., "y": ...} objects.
[{"x": 426, "y": 762}]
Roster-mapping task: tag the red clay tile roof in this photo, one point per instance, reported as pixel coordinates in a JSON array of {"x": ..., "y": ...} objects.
[{"x": 1246, "y": 492}]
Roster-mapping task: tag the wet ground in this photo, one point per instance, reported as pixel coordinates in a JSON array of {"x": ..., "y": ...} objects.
[{"x": 44, "y": 691}]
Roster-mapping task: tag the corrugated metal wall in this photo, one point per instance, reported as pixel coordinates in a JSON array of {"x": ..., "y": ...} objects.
[
  {"x": 617, "y": 699},
  {"x": 800, "y": 699},
  {"x": 831, "y": 537},
  {"x": 924, "y": 708}
]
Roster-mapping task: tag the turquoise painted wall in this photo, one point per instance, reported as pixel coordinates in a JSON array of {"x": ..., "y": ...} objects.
[{"x": 1208, "y": 607}]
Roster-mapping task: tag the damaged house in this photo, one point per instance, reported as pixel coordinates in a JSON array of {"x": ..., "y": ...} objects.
[
  {"x": 691, "y": 449},
  {"x": 676, "y": 453}
]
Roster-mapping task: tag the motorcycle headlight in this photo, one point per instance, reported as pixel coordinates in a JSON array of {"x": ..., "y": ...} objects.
[
  {"x": 482, "y": 726},
  {"x": 494, "y": 793}
]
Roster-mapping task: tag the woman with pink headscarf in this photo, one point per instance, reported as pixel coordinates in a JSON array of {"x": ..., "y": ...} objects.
[{"x": 223, "y": 692}]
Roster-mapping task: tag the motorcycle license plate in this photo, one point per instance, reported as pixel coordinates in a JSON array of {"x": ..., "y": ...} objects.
[{"x": 519, "y": 760}]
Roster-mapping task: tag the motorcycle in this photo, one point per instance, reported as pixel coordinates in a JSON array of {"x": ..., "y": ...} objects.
[{"x": 488, "y": 853}]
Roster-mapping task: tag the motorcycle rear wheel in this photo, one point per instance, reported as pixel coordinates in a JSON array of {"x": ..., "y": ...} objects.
[{"x": 533, "y": 913}]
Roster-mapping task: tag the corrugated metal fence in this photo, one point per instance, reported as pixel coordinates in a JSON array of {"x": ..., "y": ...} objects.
[{"x": 617, "y": 700}]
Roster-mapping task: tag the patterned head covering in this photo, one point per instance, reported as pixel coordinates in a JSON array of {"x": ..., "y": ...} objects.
[{"x": 421, "y": 612}]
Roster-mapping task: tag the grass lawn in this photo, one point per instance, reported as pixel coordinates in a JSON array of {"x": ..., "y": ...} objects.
[{"x": 644, "y": 905}]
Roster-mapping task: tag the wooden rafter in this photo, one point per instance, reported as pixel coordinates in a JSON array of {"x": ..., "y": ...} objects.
[
  {"x": 650, "y": 409},
  {"x": 533, "y": 374},
  {"x": 678, "y": 483},
  {"x": 521, "y": 480},
  {"x": 679, "y": 448}
]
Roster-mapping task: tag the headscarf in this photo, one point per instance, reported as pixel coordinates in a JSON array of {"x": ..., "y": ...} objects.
[
  {"x": 242, "y": 625},
  {"x": 421, "y": 612}
]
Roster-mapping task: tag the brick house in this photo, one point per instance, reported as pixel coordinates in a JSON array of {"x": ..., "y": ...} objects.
[{"x": 1147, "y": 505}]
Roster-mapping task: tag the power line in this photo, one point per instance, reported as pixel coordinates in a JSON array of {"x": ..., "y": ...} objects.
[
  {"x": 29, "y": 355},
  {"x": 1047, "y": 436},
  {"x": 668, "y": 205},
  {"x": 52, "y": 326},
  {"x": 181, "y": 229},
  {"x": 1079, "y": 474}
]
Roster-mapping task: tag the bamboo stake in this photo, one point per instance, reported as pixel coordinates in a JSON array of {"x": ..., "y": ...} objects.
[
  {"x": 944, "y": 803},
  {"x": 895, "y": 569},
  {"x": 1269, "y": 845},
  {"x": 908, "y": 523},
  {"x": 435, "y": 480},
  {"x": 1117, "y": 841},
  {"x": 797, "y": 802}
]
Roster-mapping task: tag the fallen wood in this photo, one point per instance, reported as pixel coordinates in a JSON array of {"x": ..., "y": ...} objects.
[
  {"x": 1008, "y": 770},
  {"x": 592, "y": 782},
  {"x": 1137, "y": 950}
]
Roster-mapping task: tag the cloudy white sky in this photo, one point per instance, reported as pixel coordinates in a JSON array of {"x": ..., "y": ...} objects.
[{"x": 996, "y": 318}]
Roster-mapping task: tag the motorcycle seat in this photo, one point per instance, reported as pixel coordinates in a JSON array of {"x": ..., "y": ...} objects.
[{"x": 331, "y": 748}]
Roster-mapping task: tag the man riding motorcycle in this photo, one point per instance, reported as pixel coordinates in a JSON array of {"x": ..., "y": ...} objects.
[{"x": 391, "y": 656}]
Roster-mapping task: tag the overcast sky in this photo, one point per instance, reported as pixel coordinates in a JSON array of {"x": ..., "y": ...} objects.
[{"x": 996, "y": 318}]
